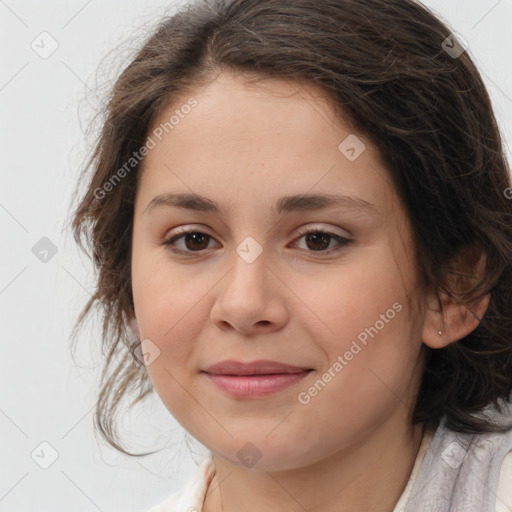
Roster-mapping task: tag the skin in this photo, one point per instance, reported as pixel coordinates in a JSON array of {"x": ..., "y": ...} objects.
[{"x": 292, "y": 304}]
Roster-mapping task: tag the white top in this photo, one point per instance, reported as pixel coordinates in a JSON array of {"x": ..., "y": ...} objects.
[{"x": 191, "y": 497}]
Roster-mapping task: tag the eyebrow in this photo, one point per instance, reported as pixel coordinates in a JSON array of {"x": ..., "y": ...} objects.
[{"x": 287, "y": 204}]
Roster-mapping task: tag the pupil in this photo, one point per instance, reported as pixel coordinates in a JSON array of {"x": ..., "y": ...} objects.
[
  {"x": 194, "y": 237},
  {"x": 319, "y": 236}
]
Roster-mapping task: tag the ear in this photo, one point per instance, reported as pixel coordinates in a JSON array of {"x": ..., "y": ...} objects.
[{"x": 457, "y": 319}]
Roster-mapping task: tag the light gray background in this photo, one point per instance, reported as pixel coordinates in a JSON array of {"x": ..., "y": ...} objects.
[{"x": 45, "y": 105}]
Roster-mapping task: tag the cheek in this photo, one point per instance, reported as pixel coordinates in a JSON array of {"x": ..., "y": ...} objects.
[
  {"x": 367, "y": 290},
  {"x": 165, "y": 304},
  {"x": 168, "y": 308},
  {"x": 369, "y": 367},
  {"x": 169, "y": 314},
  {"x": 362, "y": 314},
  {"x": 162, "y": 293}
]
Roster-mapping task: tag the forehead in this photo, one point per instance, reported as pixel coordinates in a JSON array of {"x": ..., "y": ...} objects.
[
  {"x": 234, "y": 112},
  {"x": 257, "y": 139}
]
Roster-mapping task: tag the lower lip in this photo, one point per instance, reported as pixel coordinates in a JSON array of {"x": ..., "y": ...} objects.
[{"x": 243, "y": 386}]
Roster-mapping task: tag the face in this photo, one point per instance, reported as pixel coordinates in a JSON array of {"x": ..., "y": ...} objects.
[{"x": 251, "y": 284}]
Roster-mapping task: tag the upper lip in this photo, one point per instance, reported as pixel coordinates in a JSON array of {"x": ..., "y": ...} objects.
[{"x": 260, "y": 367}]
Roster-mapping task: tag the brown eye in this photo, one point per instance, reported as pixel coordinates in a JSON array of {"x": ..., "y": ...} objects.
[
  {"x": 317, "y": 240},
  {"x": 194, "y": 241}
]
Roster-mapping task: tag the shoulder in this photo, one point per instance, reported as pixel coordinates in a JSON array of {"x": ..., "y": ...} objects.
[
  {"x": 470, "y": 471},
  {"x": 504, "y": 493},
  {"x": 190, "y": 498}
]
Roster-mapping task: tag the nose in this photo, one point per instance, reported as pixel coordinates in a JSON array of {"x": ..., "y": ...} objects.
[{"x": 251, "y": 298}]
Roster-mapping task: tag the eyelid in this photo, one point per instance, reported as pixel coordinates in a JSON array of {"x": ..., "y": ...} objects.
[
  {"x": 180, "y": 232},
  {"x": 307, "y": 228},
  {"x": 343, "y": 241},
  {"x": 301, "y": 230}
]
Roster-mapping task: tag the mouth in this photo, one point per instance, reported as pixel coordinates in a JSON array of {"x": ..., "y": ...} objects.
[
  {"x": 256, "y": 379},
  {"x": 260, "y": 367}
]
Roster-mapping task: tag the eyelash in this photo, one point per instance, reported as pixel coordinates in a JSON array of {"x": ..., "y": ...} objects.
[{"x": 343, "y": 242}]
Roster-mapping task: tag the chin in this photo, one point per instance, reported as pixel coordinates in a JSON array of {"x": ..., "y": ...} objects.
[{"x": 263, "y": 454}]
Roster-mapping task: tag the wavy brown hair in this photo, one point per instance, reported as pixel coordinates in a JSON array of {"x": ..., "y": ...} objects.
[{"x": 385, "y": 69}]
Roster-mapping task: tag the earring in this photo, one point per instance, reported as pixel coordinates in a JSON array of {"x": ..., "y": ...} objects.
[{"x": 439, "y": 333}]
